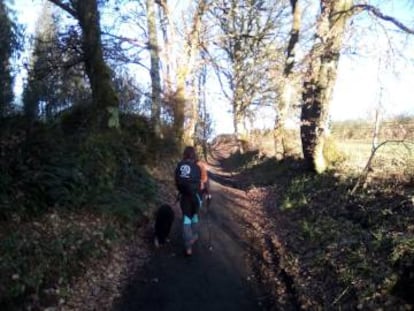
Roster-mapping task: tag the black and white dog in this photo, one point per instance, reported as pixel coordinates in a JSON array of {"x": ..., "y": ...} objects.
[{"x": 164, "y": 218}]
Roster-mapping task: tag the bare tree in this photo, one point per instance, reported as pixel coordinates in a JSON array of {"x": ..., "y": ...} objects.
[
  {"x": 169, "y": 51},
  {"x": 42, "y": 84},
  {"x": 285, "y": 85},
  {"x": 10, "y": 37},
  {"x": 203, "y": 124},
  {"x": 181, "y": 67},
  {"x": 155, "y": 67},
  {"x": 248, "y": 31},
  {"x": 320, "y": 77},
  {"x": 104, "y": 97}
]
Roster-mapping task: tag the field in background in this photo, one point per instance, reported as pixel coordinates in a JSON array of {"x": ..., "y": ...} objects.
[
  {"x": 344, "y": 239},
  {"x": 354, "y": 139},
  {"x": 395, "y": 158}
]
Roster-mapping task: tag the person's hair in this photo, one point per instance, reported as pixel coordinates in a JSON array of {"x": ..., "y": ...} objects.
[{"x": 189, "y": 153}]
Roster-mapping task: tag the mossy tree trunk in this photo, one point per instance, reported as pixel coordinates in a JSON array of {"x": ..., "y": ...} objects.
[
  {"x": 286, "y": 83},
  {"x": 104, "y": 96},
  {"x": 155, "y": 67},
  {"x": 103, "y": 93},
  {"x": 320, "y": 80}
]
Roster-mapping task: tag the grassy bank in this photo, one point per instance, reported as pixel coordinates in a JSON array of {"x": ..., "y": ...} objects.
[
  {"x": 336, "y": 249},
  {"x": 70, "y": 201}
]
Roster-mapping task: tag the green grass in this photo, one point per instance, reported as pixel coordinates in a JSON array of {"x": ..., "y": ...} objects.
[
  {"x": 354, "y": 249},
  {"x": 391, "y": 158}
]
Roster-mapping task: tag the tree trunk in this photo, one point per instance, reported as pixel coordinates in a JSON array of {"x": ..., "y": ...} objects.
[
  {"x": 285, "y": 87},
  {"x": 179, "y": 102},
  {"x": 104, "y": 96},
  {"x": 284, "y": 103},
  {"x": 239, "y": 105},
  {"x": 320, "y": 80},
  {"x": 169, "y": 53},
  {"x": 238, "y": 113},
  {"x": 155, "y": 68},
  {"x": 185, "y": 69},
  {"x": 6, "y": 50},
  {"x": 192, "y": 114},
  {"x": 203, "y": 127},
  {"x": 103, "y": 93}
]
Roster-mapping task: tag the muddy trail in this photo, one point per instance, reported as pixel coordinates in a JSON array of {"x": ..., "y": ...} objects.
[{"x": 218, "y": 276}]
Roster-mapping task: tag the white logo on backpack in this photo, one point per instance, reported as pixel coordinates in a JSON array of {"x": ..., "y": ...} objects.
[{"x": 185, "y": 171}]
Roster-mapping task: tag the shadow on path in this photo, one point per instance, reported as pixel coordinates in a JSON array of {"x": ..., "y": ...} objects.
[{"x": 213, "y": 279}]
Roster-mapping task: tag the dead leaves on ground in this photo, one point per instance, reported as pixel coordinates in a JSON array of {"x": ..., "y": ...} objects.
[
  {"x": 340, "y": 252},
  {"x": 65, "y": 261}
]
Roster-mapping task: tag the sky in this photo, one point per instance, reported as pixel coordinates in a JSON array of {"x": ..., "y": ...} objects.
[
  {"x": 376, "y": 75},
  {"x": 366, "y": 80}
]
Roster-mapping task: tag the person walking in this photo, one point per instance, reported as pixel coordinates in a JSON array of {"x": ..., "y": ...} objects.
[
  {"x": 204, "y": 185},
  {"x": 188, "y": 181}
]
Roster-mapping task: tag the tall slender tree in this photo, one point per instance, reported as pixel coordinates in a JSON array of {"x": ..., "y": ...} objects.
[
  {"x": 286, "y": 83},
  {"x": 42, "y": 87},
  {"x": 169, "y": 55},
  {"x": 203, "y": 128},
  {"x": 155, "y": 66},
  {"x": 181, "y": 63},
  {"x": 9, "y": 38}
]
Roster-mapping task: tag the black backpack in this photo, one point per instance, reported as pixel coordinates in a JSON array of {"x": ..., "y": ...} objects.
[{"x": 187, "y": 177}]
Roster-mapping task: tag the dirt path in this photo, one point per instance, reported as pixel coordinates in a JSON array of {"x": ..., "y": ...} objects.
[{"x": 214, "y": 278}]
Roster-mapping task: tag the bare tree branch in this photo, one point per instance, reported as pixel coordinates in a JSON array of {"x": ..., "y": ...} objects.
[
  {"x": 362, "y": 178},
  {"x": 65, "y": 7},
  {"x": 122, "y": 39},
  {"x": 374, "y": 10}
]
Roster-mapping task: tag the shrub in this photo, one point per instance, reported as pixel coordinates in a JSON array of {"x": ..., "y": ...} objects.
[{"x": 333, "y": 155}]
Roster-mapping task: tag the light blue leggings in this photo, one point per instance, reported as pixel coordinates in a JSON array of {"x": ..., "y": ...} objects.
[{"x": 191, "y": 226}]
